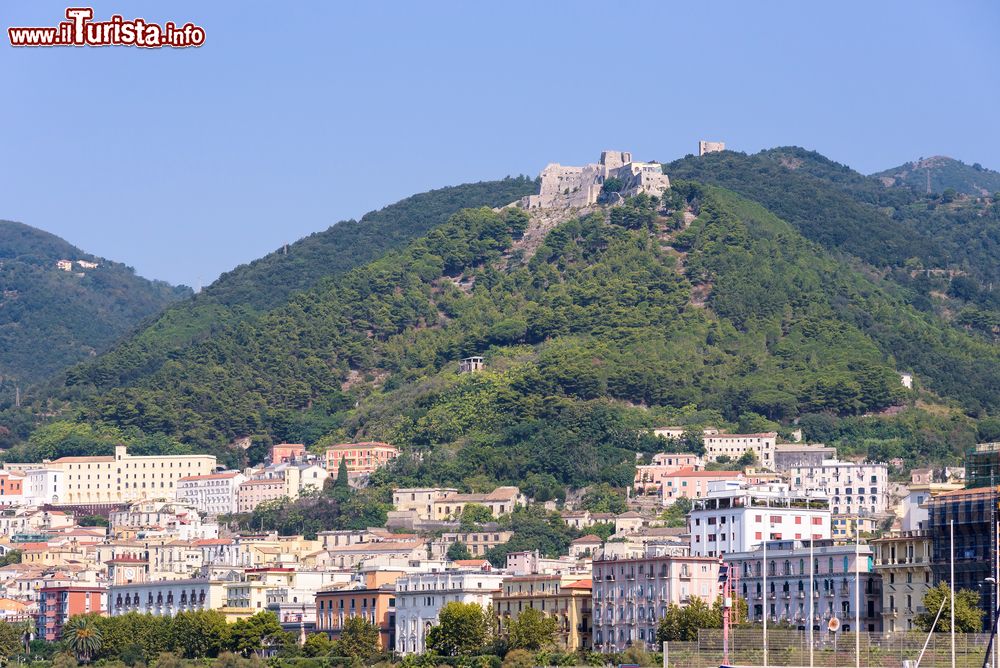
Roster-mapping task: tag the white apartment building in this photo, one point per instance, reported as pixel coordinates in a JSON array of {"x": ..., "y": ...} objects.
[
  {"x": 420, "y": 597},
  {"x": 734, "y": 517},
  {"x": 166, "y": 598},
  {"x": 853, "y": 489},
  {"x": 213, "y": 493},
  {"x": 42, "y": 486},
  {"x": 735, "y": 446}
]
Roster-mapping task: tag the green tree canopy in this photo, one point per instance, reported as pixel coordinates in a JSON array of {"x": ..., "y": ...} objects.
[
  {"x": 462, "y": 628},
  {"x": 359, "y": 639},
  {"x": 532, "y": 630},
  {"x": 968, "y": 616},
  {"x": 458, "y": 550},
  {"x": 83, "y": 636}
]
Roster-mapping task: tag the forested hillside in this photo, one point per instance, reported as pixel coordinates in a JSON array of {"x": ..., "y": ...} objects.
[
  {"x": 621, "y": 319},
  {"x": 51, "y": 318},
  {"x": 940, "y": 174},
  {"x": 941, "y": 250}
]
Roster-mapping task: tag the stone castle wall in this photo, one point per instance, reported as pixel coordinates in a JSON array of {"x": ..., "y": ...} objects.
[{"x": 574, "y": 187}]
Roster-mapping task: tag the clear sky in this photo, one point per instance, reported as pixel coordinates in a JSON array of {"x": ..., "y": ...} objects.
[{"x": 292, "y": 116}]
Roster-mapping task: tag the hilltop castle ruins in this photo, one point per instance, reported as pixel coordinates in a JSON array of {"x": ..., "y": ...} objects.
[{"x": 568, "y": 187}]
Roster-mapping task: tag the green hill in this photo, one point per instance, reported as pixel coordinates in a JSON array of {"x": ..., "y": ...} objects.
[
  {"x": 941, "y": 251},
  {"x": 51, "y": 318},
  {"x": 939, "y": 173},
  {"x": 618, "y": 320}
]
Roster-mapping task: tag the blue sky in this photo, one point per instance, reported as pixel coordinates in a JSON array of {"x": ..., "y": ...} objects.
[{"x": 292, "y": 116}]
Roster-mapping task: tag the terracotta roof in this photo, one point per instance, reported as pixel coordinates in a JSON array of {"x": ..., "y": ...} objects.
[
  {"x": 589, "y": 538},
  {"x": 211, "y": 476},
  {"x": 33, "y": 546},
  {"x": 264, "y": 481},
  {"x": 471, "y": 562},
  {"x": 212, "y": 541},
  {"x": 580, "y": 584}
]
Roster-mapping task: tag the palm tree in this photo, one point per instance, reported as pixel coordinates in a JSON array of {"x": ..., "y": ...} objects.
[{"x": 83, "y": 636}]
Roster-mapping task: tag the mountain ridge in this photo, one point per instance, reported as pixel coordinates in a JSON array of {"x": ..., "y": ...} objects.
[{"x": 61, "y": 304}]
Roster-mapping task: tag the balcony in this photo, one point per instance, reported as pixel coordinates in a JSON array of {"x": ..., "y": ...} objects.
[{"x": 802, "y": 594}]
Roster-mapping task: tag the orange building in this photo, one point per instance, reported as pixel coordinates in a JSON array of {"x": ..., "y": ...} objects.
[
  {"x": 58, "y": 603},
  {"x": 286, "y": 452},
  {"x": 360, "y": 457},
  {"x": 376, "y": 602},
  {"x": 11, "y": 487}
]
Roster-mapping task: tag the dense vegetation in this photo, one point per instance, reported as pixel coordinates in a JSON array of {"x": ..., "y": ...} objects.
[{"x": 51, "y": 319}]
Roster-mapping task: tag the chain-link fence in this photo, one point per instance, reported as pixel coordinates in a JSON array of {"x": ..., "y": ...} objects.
[{"x": 791, "y": 648}]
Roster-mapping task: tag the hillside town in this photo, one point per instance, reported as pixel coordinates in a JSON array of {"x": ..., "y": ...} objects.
[{"x": 780, "y": 519}]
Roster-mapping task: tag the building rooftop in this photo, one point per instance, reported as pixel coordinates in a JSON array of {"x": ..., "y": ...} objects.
[{"x": 689, "y": 472}]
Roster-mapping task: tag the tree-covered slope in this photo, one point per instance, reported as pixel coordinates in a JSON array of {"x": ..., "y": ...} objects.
[
  {"x": 941, "y": 250},
  {"x": 827, "y": 202},
  {"x": 620, "y": 319},
  {"x": 939, "y": 174},
  {"x": 51, "y": 318}
]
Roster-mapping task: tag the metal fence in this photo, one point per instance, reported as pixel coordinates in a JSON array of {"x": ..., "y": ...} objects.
[{"x": 791, "y": 648}]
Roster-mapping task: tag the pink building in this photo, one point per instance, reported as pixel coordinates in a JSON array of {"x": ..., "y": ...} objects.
[
  {"x": 649, "y": 477},
  {"x": 286, "y": 452},
  {"x": 687, "y": 483},
  {"x": 252, "y": 493},
  {"x": 631, "y": 595}
]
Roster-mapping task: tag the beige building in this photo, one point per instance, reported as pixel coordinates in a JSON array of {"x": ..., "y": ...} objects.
[
  {"x": 419, "y": 500},
  {"x": 564, "y": 597},
  {"x": 122, "y": 478},
  {"x": 478, "y": 542},
  {"x": 904, "y": 561},
  {"x": 735, "y": 446},
  {"x": 500, "y": 501}
]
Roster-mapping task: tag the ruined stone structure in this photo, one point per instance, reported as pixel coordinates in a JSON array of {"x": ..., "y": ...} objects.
[
  {"x": 710, "y": 147},
  {"x": 571, "y": 187}
]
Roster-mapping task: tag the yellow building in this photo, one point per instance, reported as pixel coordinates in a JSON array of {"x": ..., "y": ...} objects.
[
  {"x": 565, "y": 597},
  {"x": 123, "y": 477}
]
